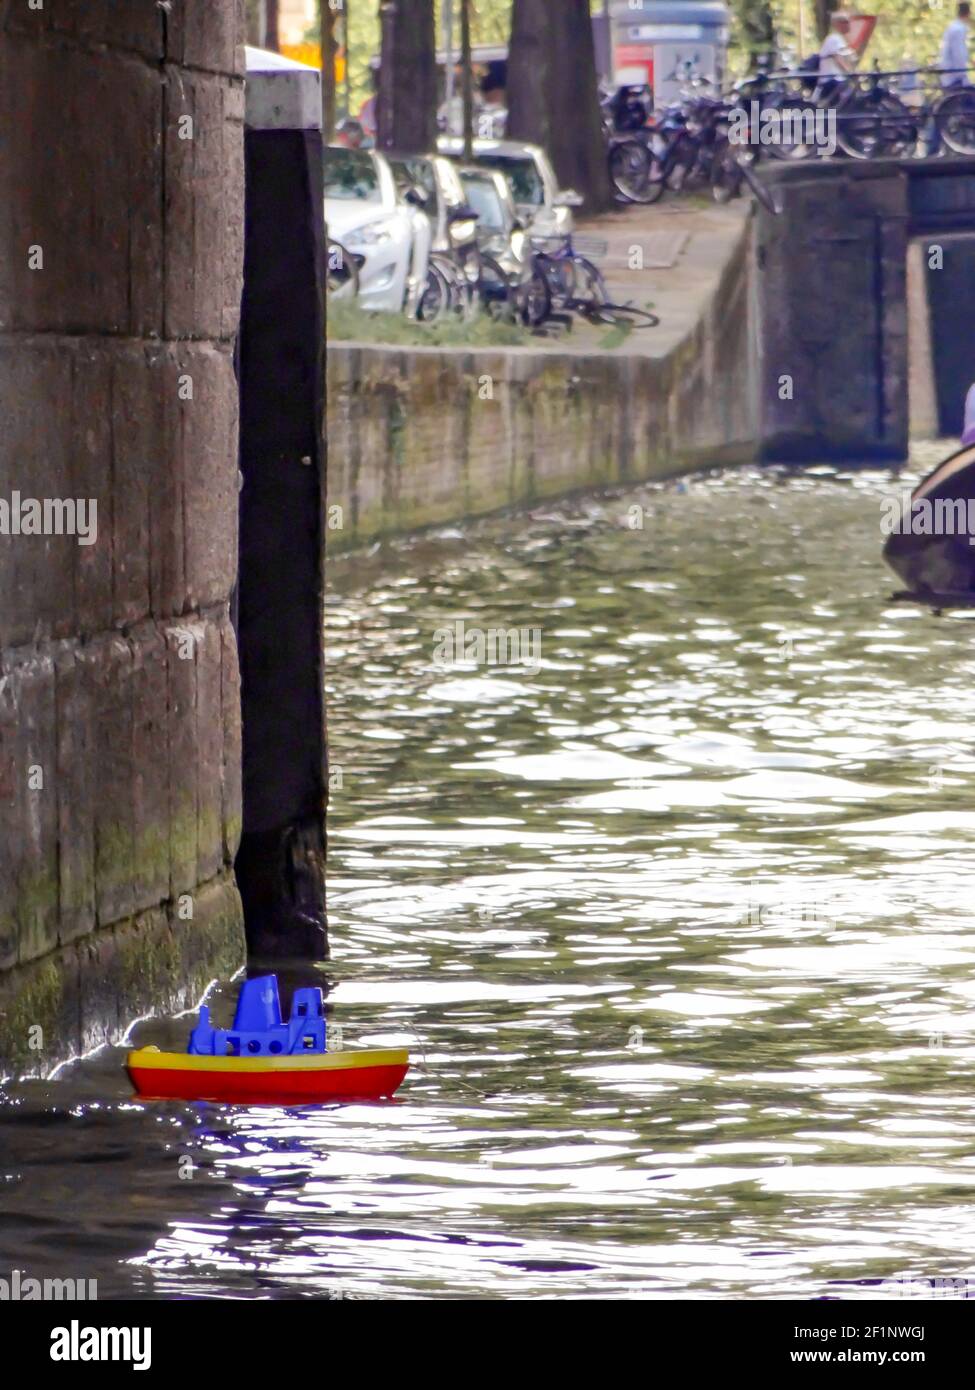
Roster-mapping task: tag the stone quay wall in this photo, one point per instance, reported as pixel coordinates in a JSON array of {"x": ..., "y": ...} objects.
[
  {"x": 421, "y": 436},
  {"x": 121, "y": 249}
]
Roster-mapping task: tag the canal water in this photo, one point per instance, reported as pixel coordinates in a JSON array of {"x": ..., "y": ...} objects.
[{"x": 677, "y": 920}]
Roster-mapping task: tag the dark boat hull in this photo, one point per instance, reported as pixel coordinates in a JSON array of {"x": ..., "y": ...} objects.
[{"x": 933, "y": 552}]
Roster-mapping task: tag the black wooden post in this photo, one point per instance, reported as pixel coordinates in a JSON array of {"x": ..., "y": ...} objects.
[{"x": 281, "y": 862}]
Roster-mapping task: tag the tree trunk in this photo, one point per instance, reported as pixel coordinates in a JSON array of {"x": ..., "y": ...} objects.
[
  {"x": 347, "y": 45},
  {"x": 272, "y": 37},
  {"x": 255, "y": 23},
  {"x": 408, "y": 77},
  {"x": 467, "y": 68},
  {"x": 553, "y": 98},
  {"x": 824, "y": 10},
  {"x": 757, "y": 25},
  {"x": 326, "y": 26}
]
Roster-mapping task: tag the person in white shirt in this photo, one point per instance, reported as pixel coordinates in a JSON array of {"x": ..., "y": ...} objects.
[
  {"x": 492, "y": 119},
  {"x": 836, "y": 57},
  {"x": 953, "y": 59}
]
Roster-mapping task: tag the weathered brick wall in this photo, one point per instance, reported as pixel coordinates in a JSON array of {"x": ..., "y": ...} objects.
[
  {"x": 419, "y": 436},
  {"x": 121, "y": 184}
]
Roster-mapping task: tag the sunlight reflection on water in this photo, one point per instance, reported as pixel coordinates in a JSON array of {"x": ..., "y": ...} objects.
[{"x": 676, "y": 926}]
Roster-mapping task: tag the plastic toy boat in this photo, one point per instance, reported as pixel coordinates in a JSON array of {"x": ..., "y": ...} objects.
[{"x": 263, "y": 1061}]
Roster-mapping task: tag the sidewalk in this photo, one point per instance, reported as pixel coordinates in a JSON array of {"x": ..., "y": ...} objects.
[{"x": 685, "y": 245}]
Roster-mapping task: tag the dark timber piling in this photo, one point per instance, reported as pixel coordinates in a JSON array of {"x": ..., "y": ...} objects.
[{"x": 281, "y": 861}]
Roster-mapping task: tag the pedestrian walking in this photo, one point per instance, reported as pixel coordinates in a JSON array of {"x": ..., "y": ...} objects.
[
  {"x": 953, "y": 64},
  {"x": 953, "y": 59},
  {"x": 836, "y": 57}
]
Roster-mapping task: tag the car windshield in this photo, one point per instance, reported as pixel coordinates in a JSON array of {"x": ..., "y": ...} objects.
[
  {"x": 351, "y": 174},
  {"x": 415, "y": 173},
  {"x": 522, "y": 175},
  {"x": 483, "y": 198}
]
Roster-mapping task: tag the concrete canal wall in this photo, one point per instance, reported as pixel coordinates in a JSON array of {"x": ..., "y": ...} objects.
[
  {"x": 831, "y": 331},
  {"x": 121, "y": 229},
  {"x": 419, "y": 436},
  {"x": 865, "y": 289}
]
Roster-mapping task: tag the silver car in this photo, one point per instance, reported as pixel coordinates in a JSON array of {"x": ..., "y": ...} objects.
[
  {"x": 544, "y": 208},
  {"x": 365, "y": 217},
  {"x": 508, "y": 273}
]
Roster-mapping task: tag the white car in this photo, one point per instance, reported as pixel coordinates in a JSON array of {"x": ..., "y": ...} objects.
[
  {"x": 545, "y": 209},
  {"x": 365, "y": 216}
]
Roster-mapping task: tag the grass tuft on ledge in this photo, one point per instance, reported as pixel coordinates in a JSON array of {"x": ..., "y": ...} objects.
[{"x": 349, "y": 322}]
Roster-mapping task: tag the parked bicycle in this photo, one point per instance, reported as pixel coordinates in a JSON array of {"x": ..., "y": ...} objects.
[
  {"x": 871, "y": 119},
  {"x": 674, "y": 151},
  {"x": 577, "y": 285},
  {"x": 954, "y": 118},
  {"x": 788, "y": 115},
  {"x": 733, "y": 168}
]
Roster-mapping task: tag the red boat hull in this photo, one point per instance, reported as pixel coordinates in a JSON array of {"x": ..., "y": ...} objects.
[{"x": 281, "y": 1087}]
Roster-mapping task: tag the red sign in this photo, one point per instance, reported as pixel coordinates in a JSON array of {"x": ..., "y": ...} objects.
[
  {"x": 635, "y": 55},
  {"x": 861, "y": 28}
]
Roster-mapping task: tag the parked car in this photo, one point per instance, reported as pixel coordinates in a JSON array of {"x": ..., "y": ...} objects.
[
  {"x": 509, "y": 277},
  {"x": 545, "y": 208},
  {"x": 364, "y": 213},
  {"x": 431, "y": 184}
]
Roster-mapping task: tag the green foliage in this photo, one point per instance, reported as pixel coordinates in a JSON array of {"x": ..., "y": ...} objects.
[
  {"x": 252, "y": 21},
  {"x": 616, "y": 337},
  {"x": 348, "y": 322},
  {"x": 490, "y": 24},
  {"x": 754, "y": 27},
  {"x": 907, "y": 30}
]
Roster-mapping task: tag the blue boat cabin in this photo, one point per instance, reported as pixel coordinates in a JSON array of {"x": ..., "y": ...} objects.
[{"x": 258, "y": 1029}]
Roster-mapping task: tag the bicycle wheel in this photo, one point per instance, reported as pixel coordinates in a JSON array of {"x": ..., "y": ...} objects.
[
  {"x": 899, "y": 129},
  {"x": 495, "y": 288},
  {"x": 955, "y": 118},
  {"x": 533, "y": 301},
  {"x": 726, "y": 175},
  {"x": 634, "y": 173},
  {"x": 680, "y": 163},
  {"x": 856, "y": 126},
  {"x": 622, "y": 316},
  {"x": 559, "y": 274},
  {"x": 874, "y": 124},
  {"x": 590, "y": 285},
  {"x": 796, "y": 125},
  {"x": 461, "y": 300},
  {"x": 434, "y": 302}
]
